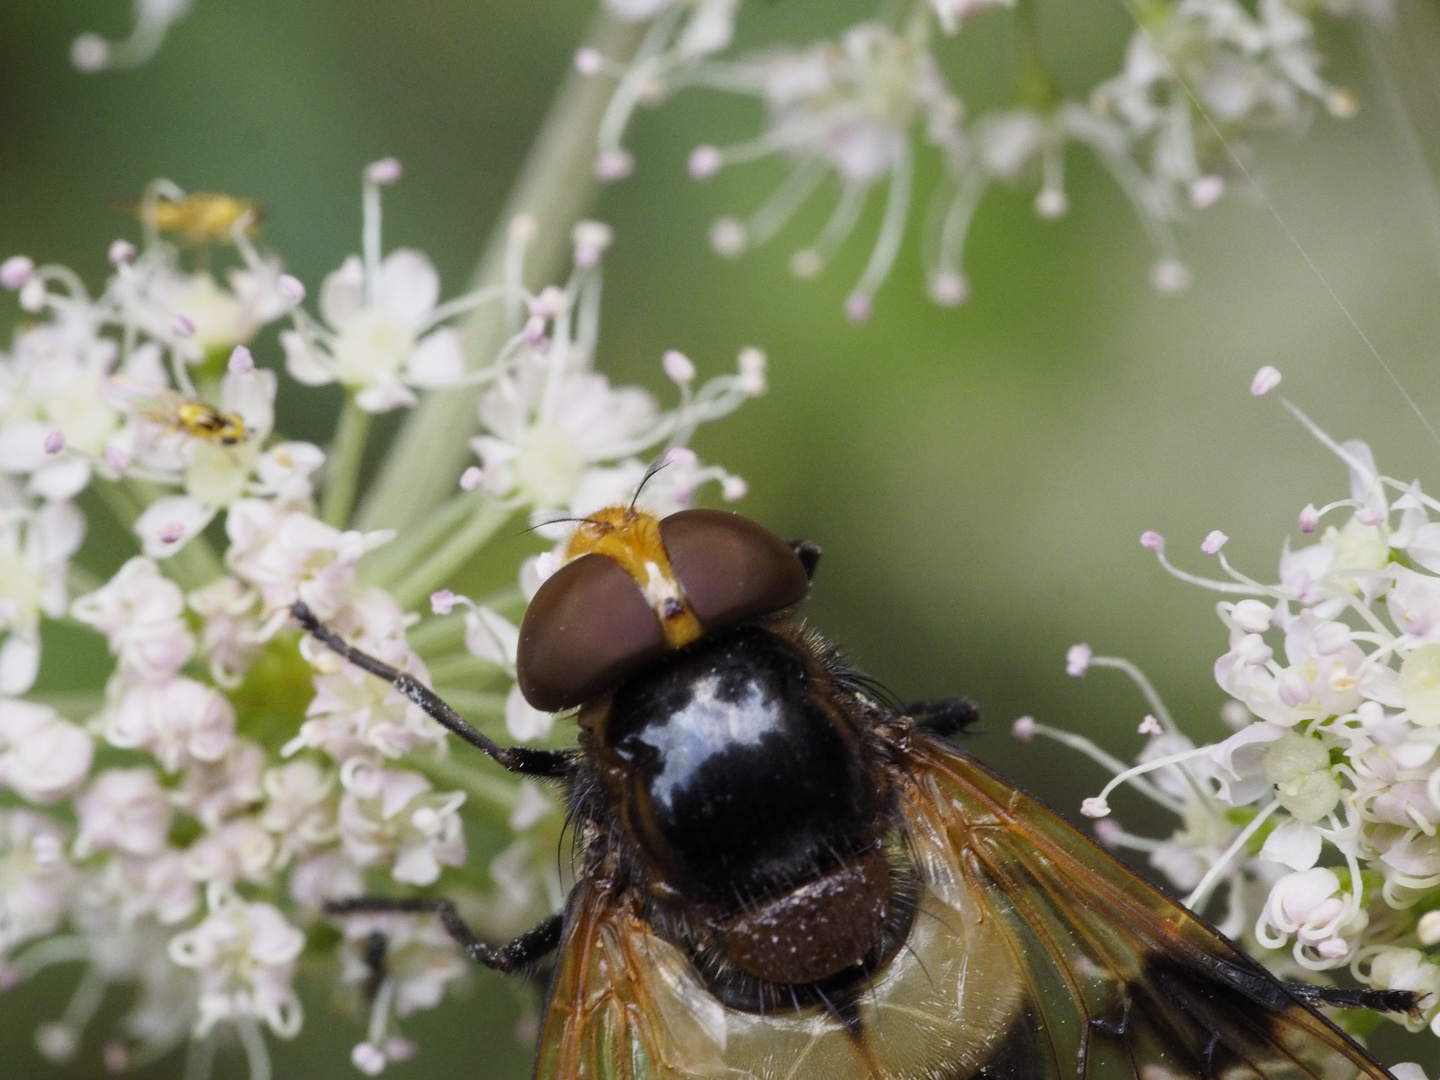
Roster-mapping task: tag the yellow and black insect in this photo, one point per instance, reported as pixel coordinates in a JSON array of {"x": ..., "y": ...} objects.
[
  {"x": 200, "y": 218},
  {"x": 174, "y": 411},
  {"x": 783, "y": 875}
]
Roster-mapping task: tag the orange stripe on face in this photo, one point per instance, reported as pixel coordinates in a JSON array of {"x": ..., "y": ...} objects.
[{"x": 632, "y": 538}]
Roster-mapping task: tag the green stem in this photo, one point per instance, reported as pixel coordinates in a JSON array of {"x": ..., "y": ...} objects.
[
  {"x": 555, "y": 186},
  {"x": 419, "y": 583},
  {"x": 343, "y": 474},
  {"x": 385, "y": 564},
  {"x": 456, "y": 667},
  {"x": 1034, "y": 87}
]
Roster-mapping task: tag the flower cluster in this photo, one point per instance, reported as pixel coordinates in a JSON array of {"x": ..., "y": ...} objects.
[
  {"x": 1199, "y": 79},
  {"x": 181, "y": 830},
  {"x": 1319, "y": 817}
]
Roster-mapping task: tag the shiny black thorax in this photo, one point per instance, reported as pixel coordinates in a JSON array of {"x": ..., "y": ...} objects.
[{"x": 737, "y": 772}]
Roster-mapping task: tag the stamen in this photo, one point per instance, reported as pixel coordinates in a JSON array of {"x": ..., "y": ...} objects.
[
  {"x": 792, "y": 194},
  {"x": 257, "y": 1055},
  {"x": 1146, "y": 767},
  {"x": 1111, "y": 764},
  {"x": 811, "y": 261},
  {"x": 892, "y": 226}
]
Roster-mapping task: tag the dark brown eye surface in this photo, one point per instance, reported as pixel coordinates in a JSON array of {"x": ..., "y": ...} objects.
[
  {"x": 731, "y": 568},
  {"x": 587, "y": 627}
]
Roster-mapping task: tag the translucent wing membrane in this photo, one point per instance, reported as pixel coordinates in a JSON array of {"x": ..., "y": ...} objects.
[{"x": 1033, "y": 956}]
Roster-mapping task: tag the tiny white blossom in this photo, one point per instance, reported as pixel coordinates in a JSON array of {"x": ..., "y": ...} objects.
[
  {"x": 244, "y": 954},
  {"x": 393, "y": 818},
  {"x": 43, "y": 758}
]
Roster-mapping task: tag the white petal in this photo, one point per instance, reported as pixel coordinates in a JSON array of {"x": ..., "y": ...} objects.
[
  {"x": 1424, "y": 545},
  {"x": 22, "y": 447},
  {"x": 19, "y": 664},
  {"x": 437, "y": 361},
  {"x": 179, "y": 512},
  {"x": 303, "y": 362},
  {"x": 525, "y": 722},
  {"x": 491, "y": 637},
  {"x": 60, "y": 479},
  {"x": 1294, "y": 844},
  {"x": 343, "y": 292},
  {"x": 62, "y": 528},
  {"x": 385, "y": 395},
  {"x": 251, "y": 394},
  {"x": 409, "y": 286}
]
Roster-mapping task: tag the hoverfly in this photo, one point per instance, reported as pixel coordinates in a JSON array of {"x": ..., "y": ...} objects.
[
  {"x": 174, "y": 411},
  {"x": 783, "y": 874},
  {"x": 202, "y": 217}
]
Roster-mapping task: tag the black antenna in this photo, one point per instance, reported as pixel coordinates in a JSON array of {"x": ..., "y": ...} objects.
[{"x": 655, "y": 466}]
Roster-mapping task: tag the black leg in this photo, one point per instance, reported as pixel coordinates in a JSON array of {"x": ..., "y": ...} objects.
[
  {"x": 518, "y": 759},
  {"x": 522, "y": 952},
  {"x": 808, "y": 552},
  {"x": 1386, "y": 1001},
  {"x": 376, "y": 946},
  {"x": 943, "y": 716}
]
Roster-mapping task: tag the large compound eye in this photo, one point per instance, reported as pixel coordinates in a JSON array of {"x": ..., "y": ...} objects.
[
  {"x": 731, "y": 568},
  {"x": 587, "y": 627}
]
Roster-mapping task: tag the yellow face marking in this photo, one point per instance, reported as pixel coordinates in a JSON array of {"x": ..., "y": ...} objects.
[{"x": 632, "y": 538}]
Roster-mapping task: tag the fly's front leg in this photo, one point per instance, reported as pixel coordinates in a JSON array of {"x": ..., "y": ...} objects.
[
  {"x": 943, "y": 716},
  {"x": 525, "y": 950},
  {"x": 517, "y": 759}
]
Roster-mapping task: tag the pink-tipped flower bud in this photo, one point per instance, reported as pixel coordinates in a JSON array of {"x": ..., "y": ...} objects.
[
  {"x": 55, "y": 441},
  {"x": 1266, "y": 379},
  {"x": 290, "y": 288},
  {"x": 172, "y": 532},
  {"x": 1206, "y": 191},
  {"x": 588, "y": 60},
  {"x": 1152, "y": 540},
  {"x": 859, "y": 307},
  {"x": 727, "y": 237},
  {"x": 1051, "y": 204},
  {"x": 15, "y": 271},
  {"x": 1169, "y": 277},
  {"x": 1023, "y": 728},
  {"x": 90, "y": 53},
  {"x": 682, "y": 458},
  {"x": 613, "y": 165},
  {"x": 182, "y": 327},
  {"x": 678, "y": 367},
  {"x": 242, "y": 361},
  {"x": 1077, "y": 660},
  {"x": 948, "y": 288},
  {"x": 442, "y": 601},
  {"x": 1213, "y": 542},
  {"x": 1309, "y": 519},
  {"x": 733, "y": 489},
  {"x": 705, "y": 162},
  {"x": 471, "y": 477},
  {"x": 121, "y": 253},
  {"x": 384, "y": 172}
]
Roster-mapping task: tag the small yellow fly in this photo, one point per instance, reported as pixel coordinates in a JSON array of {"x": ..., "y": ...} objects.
[
  {"x": 203, "y": 217},
  {"x": 174, "y": 411}
]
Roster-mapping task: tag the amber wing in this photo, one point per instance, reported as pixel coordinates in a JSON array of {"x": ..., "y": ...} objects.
[{"x": 1033, "y": 956}]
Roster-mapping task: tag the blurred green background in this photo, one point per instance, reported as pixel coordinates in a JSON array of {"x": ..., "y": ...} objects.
[{"x": 977, "y": 477}]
